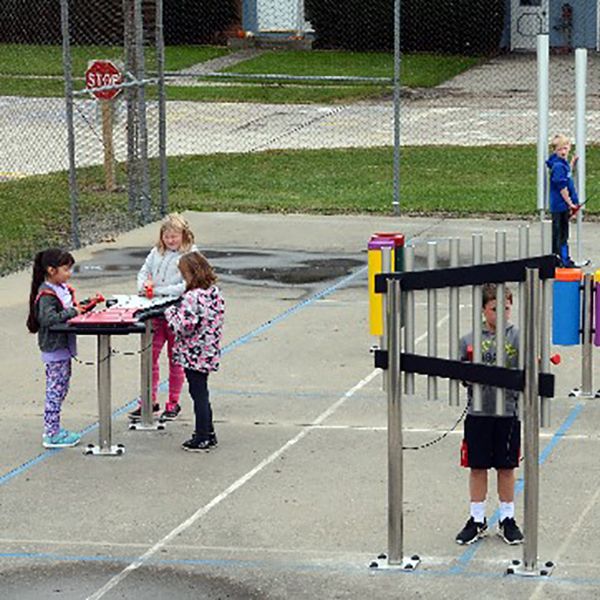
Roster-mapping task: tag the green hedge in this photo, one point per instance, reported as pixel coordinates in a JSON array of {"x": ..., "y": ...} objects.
[{"x": 449, "y": 26}]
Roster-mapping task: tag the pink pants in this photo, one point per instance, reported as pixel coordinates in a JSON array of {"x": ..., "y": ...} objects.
[{"x": 162, "y": 334}]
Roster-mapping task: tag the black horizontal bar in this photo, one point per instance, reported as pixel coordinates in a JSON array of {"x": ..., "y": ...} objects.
[{"x": 500, "y": 272}]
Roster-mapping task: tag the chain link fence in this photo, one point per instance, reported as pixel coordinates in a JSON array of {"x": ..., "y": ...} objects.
[{"x": 258, "y": 102}]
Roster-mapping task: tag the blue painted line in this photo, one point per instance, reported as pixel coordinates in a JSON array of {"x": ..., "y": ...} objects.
[
  {"x": 228, "y": 348},
  {"x": 466, "y": 557}
]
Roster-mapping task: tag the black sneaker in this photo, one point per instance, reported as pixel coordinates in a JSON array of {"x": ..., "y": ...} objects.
[
  {"x": 509, "y": 531},
  {"x": 136, "y": 414},
  {"x": 171, "y": 415},
  {"x": 471, "y": 532},
  {"x": 195, "y": 444},
  {"x": 212, "y": 440}
]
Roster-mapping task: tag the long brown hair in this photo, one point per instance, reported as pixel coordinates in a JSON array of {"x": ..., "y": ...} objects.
[
  {"x": 53, "y": 257},
  {"x": 196, "y": 271}
]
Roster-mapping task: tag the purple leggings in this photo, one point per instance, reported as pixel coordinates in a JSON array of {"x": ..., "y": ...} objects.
[{"x": 58, "y": 376}]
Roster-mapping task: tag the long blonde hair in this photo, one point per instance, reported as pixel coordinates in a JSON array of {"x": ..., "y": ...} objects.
[{"x": 175, "y": 222}]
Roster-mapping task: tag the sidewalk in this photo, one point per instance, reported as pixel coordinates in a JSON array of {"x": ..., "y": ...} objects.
[{"x": 293, "y": 502}]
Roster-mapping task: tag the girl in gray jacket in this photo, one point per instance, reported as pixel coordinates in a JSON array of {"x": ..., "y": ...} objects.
[{"x": 160, "y": 276}]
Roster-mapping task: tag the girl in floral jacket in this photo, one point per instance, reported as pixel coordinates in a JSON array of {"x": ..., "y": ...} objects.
[{"x": 197, "y": 322}]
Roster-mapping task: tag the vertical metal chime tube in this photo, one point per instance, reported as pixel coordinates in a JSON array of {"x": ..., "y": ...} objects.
[
  {"x": 580, "y": 138},
  {"x": 454, "y": 311},
  {"x": 531, "y": 419},
  {"x": 162, "y": 108},
  {"x": 524, "y": 252},
  {"x": 394, "y": 394},
  {"x": 386, "y": 267},
  {"x": 104, "y": 393},
  {"x": 432, "y": 387},
  {"x": 409, "y": 325},
  {"x": 67, "y": 69},
  {"x": 476, "y": 306},
  {"x": 543, "y": 102},
  {"x": 397, "y": 71},
  {"x": 587, "y": 309},
  {"x": 142, "y": 124},
  {"x": 545, "y": 410},
  {"x": 500, "y": 320}
]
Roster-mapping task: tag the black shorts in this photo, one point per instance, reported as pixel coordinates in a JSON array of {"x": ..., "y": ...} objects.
[{"x": 491, "y": 442}]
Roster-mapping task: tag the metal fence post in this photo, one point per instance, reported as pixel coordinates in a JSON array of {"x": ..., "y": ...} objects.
[
  {"x": 162, "y": 110},
  {"x": 397, "y": 72}
]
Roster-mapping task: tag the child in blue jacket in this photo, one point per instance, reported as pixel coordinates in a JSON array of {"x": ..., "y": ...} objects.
[{"x": 563, "y": 196}]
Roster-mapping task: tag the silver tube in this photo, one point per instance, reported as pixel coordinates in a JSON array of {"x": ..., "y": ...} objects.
[
  {"x": 531, "y": 420},
  {"x": 546, "y": 337},
  {"x": 146, "y": 375},
  {"x": 476, "y": 307},
  {"x": 386, "y": 267},
  {"x": 587, "y": 308},
  {"x": 432, "y": 387},
  {"x": 524, "y": 252},
  {"x": 500, "y": 321},
  {"x": 395, "y": 456},
  {"x": 580, "y": 137},
  {"x": 543, "y": 69},
  {"x": 104, "y": 394},
  {"x": 396, "y": 199},
  {"x": 133, "y": 190},
  {"x": 162, "y": 109},
  {"x": 409, "y": 325},
  {"x": 142, "y": 124},
  {"x": 454, "y": 308},
  {"x": 67, "y": 69}
]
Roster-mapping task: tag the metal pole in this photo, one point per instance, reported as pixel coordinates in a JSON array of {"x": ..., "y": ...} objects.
[
  {"x": 524, "y": 252},
  {"x": 476, "y": 307},
  {"x": 67, "y": 69},
  {"x": 587, "y": 309},
  {"x": 454, "y": 308},
  {"x": 500, "y": 320},
  {"x": 432, "y": 387},
  {"x": 394, "y": 394},
  {"x": 532, "y": 424},
  {"x": 143, "y": 127},
  {"x": 162, "y": 110},
  {"x": 543, "y": 92},
  {"x": 104, "y": 394},
  {"x": 396, "y": 200},
  {"x": 580, "y": 138},
  {"x": 546, "y": 337},
  {"x": 409, "y": 325},
  {"x": 131, "y": 99}
]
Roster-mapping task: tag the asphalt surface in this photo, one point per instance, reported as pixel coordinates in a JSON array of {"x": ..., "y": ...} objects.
[{"x": 293, "y": 502}]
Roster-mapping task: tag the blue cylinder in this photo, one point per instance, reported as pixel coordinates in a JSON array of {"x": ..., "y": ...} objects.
[{"x": 566, "y": 313}]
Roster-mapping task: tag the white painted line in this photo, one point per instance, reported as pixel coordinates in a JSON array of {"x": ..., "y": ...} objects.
[{"x": 230, "y": 490}]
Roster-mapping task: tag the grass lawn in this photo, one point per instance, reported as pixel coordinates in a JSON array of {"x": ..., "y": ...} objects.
[
  {"x": 22, "y": 65},
  {"x": 434, "y": 180}
]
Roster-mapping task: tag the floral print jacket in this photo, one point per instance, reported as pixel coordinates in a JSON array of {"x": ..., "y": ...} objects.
[{"x": 197, "y": 322}]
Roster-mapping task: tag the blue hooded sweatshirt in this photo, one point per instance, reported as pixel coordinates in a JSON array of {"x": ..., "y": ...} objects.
[{"x": 560, "y": 178}]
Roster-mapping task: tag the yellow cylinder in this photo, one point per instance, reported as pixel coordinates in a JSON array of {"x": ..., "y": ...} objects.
[{"x": 375, "y": 262}]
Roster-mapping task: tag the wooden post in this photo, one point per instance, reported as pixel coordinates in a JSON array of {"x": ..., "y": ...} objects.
[{"x": 107, "y": 142}]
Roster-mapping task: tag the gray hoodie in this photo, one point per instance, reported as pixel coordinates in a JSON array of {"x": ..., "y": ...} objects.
[
  {"x": 164, "y": 272},
  {"x": 488, "y": 357}
]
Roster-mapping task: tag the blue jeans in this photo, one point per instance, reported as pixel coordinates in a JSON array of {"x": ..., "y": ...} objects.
[{"x": 198, "y": 386}]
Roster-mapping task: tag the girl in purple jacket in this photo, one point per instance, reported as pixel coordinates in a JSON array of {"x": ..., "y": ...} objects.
[{"x": 197, "y": 322}]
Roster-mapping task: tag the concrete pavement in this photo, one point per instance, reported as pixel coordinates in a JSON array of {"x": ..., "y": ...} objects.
[{"x": 293, "y": 502}]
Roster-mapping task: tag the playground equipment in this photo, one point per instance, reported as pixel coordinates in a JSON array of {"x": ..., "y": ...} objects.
[{"x": 399, "y": 361}]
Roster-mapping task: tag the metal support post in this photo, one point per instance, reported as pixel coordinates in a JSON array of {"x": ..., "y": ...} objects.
[
  {"x": 147, "y": 422},
  {"x": 397, "y": 57},
  {"x": 580, "y": 143},
  {"x": 105, "y": 446},
  {"x": 432, "y": 383},
  {"x": 546, "y": 405},
  {"x": 500, "y": 320},
  {"x": 409, "y": 325},
  {"x": 395, "y": 557},
  {"x": 476, "y": 306},
  {"x": 587, "y": 312},
  {"x": 529, "y": 565},
  {"x": 454, "y": 311}
]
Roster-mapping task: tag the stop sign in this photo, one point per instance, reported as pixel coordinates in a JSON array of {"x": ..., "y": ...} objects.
[{"x": 102, "y": 73}]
